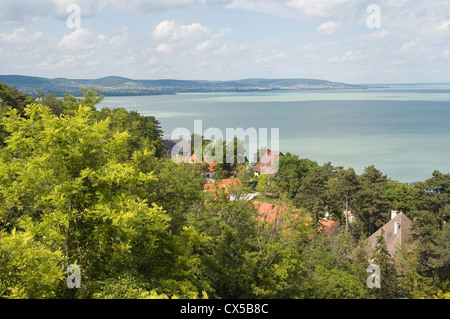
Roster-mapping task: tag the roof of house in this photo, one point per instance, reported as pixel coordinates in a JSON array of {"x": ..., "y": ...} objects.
[
  {"x": 393, "y": 239},
  {"x": 269, "y": 212},
  {"x": 329, "y": 225},
  {"x": 170, "y": 144},
  {"x": 266, "y": 164},
  {"x": 226, "y": 185},
  {"x": 194, "y": 159},
  {"x": 211, "y": 167}
]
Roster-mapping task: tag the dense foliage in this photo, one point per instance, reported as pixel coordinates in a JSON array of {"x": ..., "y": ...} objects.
[{"x": 92, "y": 188}]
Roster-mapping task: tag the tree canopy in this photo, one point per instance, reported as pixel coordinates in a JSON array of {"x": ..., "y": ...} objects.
[{"x": 88, "y": 187}]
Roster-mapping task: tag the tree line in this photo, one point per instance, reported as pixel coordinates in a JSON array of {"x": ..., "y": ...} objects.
[{"x": 91, "y": 187}]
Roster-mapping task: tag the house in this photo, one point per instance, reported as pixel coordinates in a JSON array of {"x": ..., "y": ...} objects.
[
  {"x": 210, "y": 166},
  {"x": 209, "y": 170},
  {"x": 169, "y": 145},
  {"x": 329, "y": 226},
  {"x": 396, "y": 233},
  {"x": 268, "y": 164},
  {"x": 271, "y": 213},
  {"x": 225, "y": 185},
  {"x": 349, "y": 216}
]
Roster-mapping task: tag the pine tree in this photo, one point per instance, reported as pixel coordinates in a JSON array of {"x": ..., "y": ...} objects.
[
  {"x": 382, "y": 258},
  {"x": 371, "y": 200}
]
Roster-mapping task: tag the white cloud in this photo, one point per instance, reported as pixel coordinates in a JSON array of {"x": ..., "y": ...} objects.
[
  {"x": 80, "y": 39},
  {"x": 324, "y": 9},
  {"x": 152, "y": 60},
  {"x": 205, "y": 46},
  {"x": 169, "y": 31},
  {"x": 144, "y": 6},
  {"x": 444, "y": 55},
  {"x": 328, "y": 28},
  {"x": 163, "y": 48},
  {"x": 444, "y": 26},
  {"x": 221, "y": 33},
  {"x": 272, "y": 7},
  {"x": 348, "y": 56},
  {"x": 20, "y": 36},
  {"x": 407, "y": 47},
  {"x": 379, "y": 34},
  {"x": 15, "y": 12}
]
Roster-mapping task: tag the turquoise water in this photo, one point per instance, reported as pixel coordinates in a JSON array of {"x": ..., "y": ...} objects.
[{"x": 403, "y": 131}]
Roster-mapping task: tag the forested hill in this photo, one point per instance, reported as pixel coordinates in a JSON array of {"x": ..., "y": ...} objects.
[{"x": 114, "y": 85}]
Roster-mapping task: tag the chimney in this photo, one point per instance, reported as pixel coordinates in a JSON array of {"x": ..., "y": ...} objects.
[
  {"x": 396, "y": 227},
  {"x": 393, "y": 213}
]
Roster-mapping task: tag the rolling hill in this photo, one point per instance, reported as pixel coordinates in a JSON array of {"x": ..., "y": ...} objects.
[{"x": 115, "y": 85}]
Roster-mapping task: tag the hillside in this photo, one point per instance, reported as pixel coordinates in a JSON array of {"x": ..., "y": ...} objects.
[{"x": 114, "y": 85}]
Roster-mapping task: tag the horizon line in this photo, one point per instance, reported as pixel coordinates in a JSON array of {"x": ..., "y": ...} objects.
[{"x": 239, "y": 79}]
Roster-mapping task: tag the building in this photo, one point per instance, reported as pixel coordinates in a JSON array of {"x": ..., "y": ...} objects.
[
  {"x": 169, "y": 145},
  {"x": 329, "y": 226},
  {"x": 225, "y": 185},
  {"x": 271, "y": 213},
  {"x": 396, "y": 233},
  {"x": 268, "y": 164},
  {"x": 210, "y": 170}
]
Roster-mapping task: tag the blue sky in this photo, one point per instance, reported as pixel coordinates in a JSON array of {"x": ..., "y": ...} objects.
[{"x": 228, "y": 39}]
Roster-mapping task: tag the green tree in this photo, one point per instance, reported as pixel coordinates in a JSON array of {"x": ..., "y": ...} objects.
[
  {"x": 341, "y": 191},
  {"x": 312, "y": 193},
  {"x": 402, "y": 197},
  {"x": 55, "y": 104},
  {"x": 11, "y": 98},
  {"x": 371, "y": 201},
  {"x": 28, "y": 269},
  {"x": 144, "y": 131},
  {"x": 412, "y": 280},
  {"x": 330, "y": 274},
  {"x": 292, "y": 170},
  {"x": 433, "y": 214},
  {"x": 389, "y": 283},
  {"x": 228, "y": 225},
  {"x": 68, "y": 181},
  {"x": 275, "y": 263}
]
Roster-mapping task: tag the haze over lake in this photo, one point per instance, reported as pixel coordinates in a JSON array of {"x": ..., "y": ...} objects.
[{"x": 403, "y": 130}]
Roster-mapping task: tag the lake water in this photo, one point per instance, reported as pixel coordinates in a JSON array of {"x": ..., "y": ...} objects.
[{"x": 403, "y": 130}]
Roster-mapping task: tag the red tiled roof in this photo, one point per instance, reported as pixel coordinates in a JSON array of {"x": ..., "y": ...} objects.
[
  {"x": 225, "y": 185},
  {"x": 194, "y": 159},
  {"x": 211, "y": 167},
  {"x": 329, "y": 225},
  {"x": 269, "y": 212}
]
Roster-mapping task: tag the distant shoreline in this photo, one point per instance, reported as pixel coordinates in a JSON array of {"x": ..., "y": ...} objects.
[{"x": 119, "y": 86}]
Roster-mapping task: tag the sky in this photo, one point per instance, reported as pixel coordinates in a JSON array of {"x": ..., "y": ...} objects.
[{"x": 351, "y": 41}]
